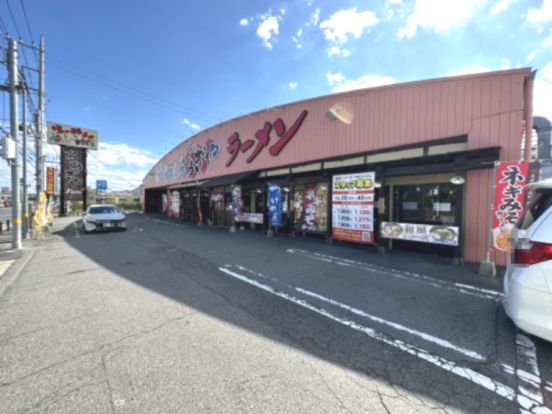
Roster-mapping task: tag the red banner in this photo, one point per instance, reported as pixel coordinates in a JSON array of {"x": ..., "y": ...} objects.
[{"x": 509, "y": 201}]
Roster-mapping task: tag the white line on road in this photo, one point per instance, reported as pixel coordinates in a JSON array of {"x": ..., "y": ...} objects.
[
  {"x": 529, "y": 382},
  {"x": 355, "y": 311},
  {"x": 449, "y": 366},
  {"x": 415, "y": 277},
  {"x": 425, "y": 336}
]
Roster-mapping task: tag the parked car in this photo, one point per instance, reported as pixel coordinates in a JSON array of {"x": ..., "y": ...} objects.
[
  {"x": 528, "y": 279},
  {"x": 102, "y": 217}
]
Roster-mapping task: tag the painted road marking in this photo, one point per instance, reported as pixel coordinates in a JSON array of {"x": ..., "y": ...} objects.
[
  {"x": 450, "y": 366},
  {"x": 425, "y": 336},
  {"x": 355, "y": 311},
  {"x": 529, "y": 384},
  {"x": 411, "y": 276},
  {"x": 5, "y": 265},
  {"x": 170, "y": 223}
]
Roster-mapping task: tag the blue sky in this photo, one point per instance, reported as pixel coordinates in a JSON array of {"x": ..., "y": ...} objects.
[{"x": 148, "y": 74}]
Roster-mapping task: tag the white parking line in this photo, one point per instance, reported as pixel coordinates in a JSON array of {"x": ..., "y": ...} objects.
[
  {"x": 355, "y": 311},
  {"x": 529, "y": 382},
  {"x": 411, "y": 276},
  {"x": 447, "y": 365},
  {"x": 425, "y": 336}
]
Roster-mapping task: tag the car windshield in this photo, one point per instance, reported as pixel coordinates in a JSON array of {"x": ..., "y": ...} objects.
[
  {"x": 102, "y": 210},
  {"x": 541, "y": 203}
]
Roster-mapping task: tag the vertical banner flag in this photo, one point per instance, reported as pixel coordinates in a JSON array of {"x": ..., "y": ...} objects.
[
  {"x": 274, "y": 205},
  {"x": 509, "y": 200},
  {"x": 353, "y": 207},
  {"x": 50, "y": 181},
  {"x": 237, "y": 203}
]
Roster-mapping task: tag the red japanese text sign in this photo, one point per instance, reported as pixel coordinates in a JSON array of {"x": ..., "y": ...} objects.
[
  {"x": 262, "y": 139},
  {"x": 509, "y": 200}
]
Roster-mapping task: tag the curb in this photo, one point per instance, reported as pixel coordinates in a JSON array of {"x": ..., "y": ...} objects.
[{"x": 15, "y": 270}]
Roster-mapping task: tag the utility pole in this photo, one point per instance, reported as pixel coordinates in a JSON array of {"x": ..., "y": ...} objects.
[
  {"x": 13, "y": 80},
  {"x": 25, "y": 209},
  {"x": 40, "y": 121}
]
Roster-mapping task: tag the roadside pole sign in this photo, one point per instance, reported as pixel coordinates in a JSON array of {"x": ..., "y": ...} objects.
[{"x": 101, "y": 184}]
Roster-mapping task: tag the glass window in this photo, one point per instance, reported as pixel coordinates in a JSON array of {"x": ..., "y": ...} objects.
[{"x": 426, "y": 203}]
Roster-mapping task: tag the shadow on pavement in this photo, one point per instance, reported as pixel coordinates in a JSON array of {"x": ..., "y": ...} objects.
[{"x": 195, "y": 280}]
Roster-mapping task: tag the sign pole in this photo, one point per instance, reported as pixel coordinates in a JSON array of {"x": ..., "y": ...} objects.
[
  {"x": 25, "y": 209},
  {"x": 16, "y": 201},
  {"x": 488, "y": 268}
]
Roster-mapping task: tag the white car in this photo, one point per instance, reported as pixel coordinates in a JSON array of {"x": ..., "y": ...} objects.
[
  {"x": 528, "y": 279},
  {"x": 101, "y": 217}
]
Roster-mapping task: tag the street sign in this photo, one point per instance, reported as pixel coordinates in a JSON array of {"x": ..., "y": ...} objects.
[{"x": 101, "y": 184}]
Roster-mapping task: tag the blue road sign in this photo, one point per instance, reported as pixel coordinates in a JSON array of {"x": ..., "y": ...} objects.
[{"x": 101, "y": 184}]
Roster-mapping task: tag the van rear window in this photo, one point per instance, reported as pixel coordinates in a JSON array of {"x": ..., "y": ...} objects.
[{"x": 540, "y": 204}]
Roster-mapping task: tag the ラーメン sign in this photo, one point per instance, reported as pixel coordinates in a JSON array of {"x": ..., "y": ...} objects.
[
  {"x": 353, "y": 207},
  {"x": 72, "y": 136}
]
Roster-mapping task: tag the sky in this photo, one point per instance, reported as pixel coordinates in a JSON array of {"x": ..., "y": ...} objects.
[{"x": 148, "y": 74}]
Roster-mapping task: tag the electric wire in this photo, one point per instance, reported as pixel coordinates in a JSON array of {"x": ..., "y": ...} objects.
[
  {"x": 13, "y": 19},
  {"x": 3, "y": 26},
  {"x": 27, "y": 20},
  {"x": 146, "y": 96}
]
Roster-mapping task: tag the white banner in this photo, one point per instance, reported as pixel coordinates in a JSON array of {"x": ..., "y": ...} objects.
[{"x": 427, "y": 233}]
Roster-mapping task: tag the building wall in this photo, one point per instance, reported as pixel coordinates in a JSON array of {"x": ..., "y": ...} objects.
[{"x": 488, "y": 108}]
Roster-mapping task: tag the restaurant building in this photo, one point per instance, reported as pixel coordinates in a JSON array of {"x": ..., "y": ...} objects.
[{"x": 404, "y": 166}]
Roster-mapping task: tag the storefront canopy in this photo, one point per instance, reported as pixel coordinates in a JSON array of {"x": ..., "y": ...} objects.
[{"x": 229, "y": 179}]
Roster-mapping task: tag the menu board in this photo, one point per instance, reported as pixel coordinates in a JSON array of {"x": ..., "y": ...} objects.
[
  {"x": 353, "y": 207},
  {"x": 427, "y": 233}
]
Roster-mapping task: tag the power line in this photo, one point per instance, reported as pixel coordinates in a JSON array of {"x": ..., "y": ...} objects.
[
  {"x": 3, "y": 26},
  {"x": 146, "y": 96},
  {"x": 27, "y": 20},
  {"x": 13, "y": 19}
]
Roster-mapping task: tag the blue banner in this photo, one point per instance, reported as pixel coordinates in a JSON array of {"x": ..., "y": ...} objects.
[{"x": 274, "y": 205}]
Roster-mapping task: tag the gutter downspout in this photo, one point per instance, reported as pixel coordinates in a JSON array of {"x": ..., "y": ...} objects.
[{"x": 528, "y": 113}]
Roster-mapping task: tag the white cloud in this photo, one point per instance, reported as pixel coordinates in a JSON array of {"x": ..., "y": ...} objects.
[
  {"x": 345, "y": 23},
  {"x": 531, "y": 55},
  {"x": 439, "y": 15},
  {"x": 334, "y": 78},
  {"x": 338, "y": 51},
  {"x": 315, "y": 18},
  {"x": 297, "y": 39},
  {"x": 469, "y": 70},
  {"x": 499, "y": 7},
  {"x": 195, "y": 127},
  {"x": 365, "y": 81},
  {"x": 541, "y": 15},
  {"x": 244, "y": 22},
  {"x": 548, "y": 40},
  {"x": 292, "y": 85},
  {"x": 334, "y": 50},
  {"x": 268, "y": 28},
  {"x": 394, "y": 1},
  {"x": 123, "y": 166},
  {"x": 542, "y": 92}
]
